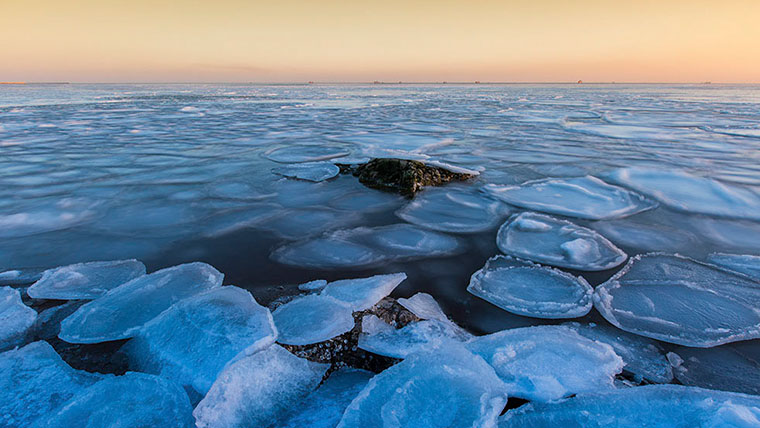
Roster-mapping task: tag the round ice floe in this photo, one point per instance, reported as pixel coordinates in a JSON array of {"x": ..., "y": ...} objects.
[
  {"x": 311, "y": 171},
  {"x": 326, "y": 253},
  {"x": 85, "y": 280},
  {"x": 686, "y": 192},
  {"x": 528, "y": 289},
  {"x": 548, "y": 362},
  {"x": 460, "y": 210},
  {"x": 679, "y": 300},
  {"x": 583, "y": 197},
  {"x": 556, "y": 242},
  {"x": 305, "y": 153},
  {"x": 15, "y": 318},
  {"x": 312, "y": 319}
]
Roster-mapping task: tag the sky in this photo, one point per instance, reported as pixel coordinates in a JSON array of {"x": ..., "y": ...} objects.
[{"x": 388, "y": 40}]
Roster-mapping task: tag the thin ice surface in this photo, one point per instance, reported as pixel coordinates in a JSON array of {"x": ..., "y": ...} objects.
[
  {"x": 528, "y": 289},
  {"x": 34, "y": 381},
  {"x": 122, "y": 311},
  {"x": 556, "y": 242},
  {"x": 454, "y": 209},
  {"x": 643, "y": 357},
  {"x": 673, "y": 406},
  {"x": 582, "y": 197},
  {"x": 546, "y": 363},
  {"x": 15, "y": 318},
  {"x": 216, "y": 326},
  {"x": 730, "y": 367},
  {"x": 131, "y": 400},
  {"x": 744, "y": 263},
  {"x": 694, "y": 194},
  {"x": 363, "y": 293},
  {"x": 382, "y": 339},
  {"x": 312, "y": 319},
  {"x": 312, "y": 171},
  {"x": 257, "y": 390},
  {"x": 324, "y": 407},
  {"x": 679, "y": 300},
  {"x": 443, "y": 387},
  {"x": 85, "y": 280}
]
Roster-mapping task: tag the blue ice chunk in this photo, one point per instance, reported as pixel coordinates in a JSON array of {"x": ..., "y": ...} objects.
[
  {"x": 193, "y": 340},
  {"x": 131, "y": 400},
  {"x": 257, "y": 390},
  {"x": 546, "y": 363},
  {"x": 315, "y": 285},
  {"x": 312, "y": 319},
  {"x": 363, "y": 293},
  {"x": 556, "y": 242},
  {"x": 423, "y": 306},
  {"x": 382, "y": 339},
  {"x": 85, "y": 280},
  {"x": 15, "y": 318},
  {"x": 121, "y": 312},
  {"x": 531, "y": 290}
]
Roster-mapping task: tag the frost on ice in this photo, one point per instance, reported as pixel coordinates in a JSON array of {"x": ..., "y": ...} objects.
[
  {"x": 528, "y": 289},
  {"x": 452, "y": 209},
  {"x": 15, "y": 318},
  {"x": 548, "y": 362},
  {"x": 686, "y": 192},
  {"x": 324, "y": 407},
  {"x": 439, "y": 388},
  {"x": 312, "y": 171},
  {"x": 258, "y": 389},
  {"x": 192, "y": 341},
  {"x": 131, "y": 400},
  {"x": 85, "y": 280},
  {"x": 121, "y": 312},
  {"x": 746, "y": 264},
  {"x": 582, "y": 197},
  {"x": 556, "y": 242},
  {"x": 673, "y": 406},
  {"x": 643, "y": 357},
  {"x": 34, "y": 381},
  {"x": 676, "y": 299},
  {"x": 363, "y": 293},
  {"x": 381, "y": 338},
  {"x": 312, "y": 319}
]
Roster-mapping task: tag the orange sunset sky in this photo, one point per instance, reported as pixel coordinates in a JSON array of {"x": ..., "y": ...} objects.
[{"x": 298, "y": 40}]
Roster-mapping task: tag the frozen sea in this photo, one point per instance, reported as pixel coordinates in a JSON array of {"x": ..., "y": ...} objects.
[{"x": 169, "y": 174}]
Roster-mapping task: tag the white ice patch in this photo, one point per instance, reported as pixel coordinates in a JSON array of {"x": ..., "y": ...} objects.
[
  {"x": 423, "y": 306},
  {"x": 312, "y": 319},
  {"x": 363, "y": 293}
]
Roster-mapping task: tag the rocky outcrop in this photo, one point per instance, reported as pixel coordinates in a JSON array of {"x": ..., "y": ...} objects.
[{"x": 404, "y": 176}]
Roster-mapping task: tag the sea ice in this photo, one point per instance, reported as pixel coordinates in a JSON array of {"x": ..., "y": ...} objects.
[
  {"x": 122, "y": 311},
  {"x": 363, "y": 293},
  {"x": 556, "y": 242},
  {"x": 380, "y": 338},
  {"x": 216, "y": 325},
  {"x": 85, "y": 280},
  {"x": 257, "y": 390},
  {"x": 730, "y": 367},
  {"x": 311, "y": 171},
  {"x": 315, "y": 285},
  {"x": 679, "y": 300},
  {"x": 650, "y": 235},
  {"x": 423, "y": 306},
  {"x": 524, "y": 288},
  {"x": 746, "y": 264},
  {"x": 454, "y": 209},
  {"x": 15, "y": 318},
  {"x": 583, "y": 197},
  {"x": 324, "y": 407},
  {"x": 312, "y": 319},
  {"x": 643, "y": 357},
  {"x": 447, "y": 387},
  {"x": 546, "y": 363},
  {"x": 20, "y": 276},
  {"x": 686, "y": 192},
  {"x": 306, "y": 153},
  {"x": 672, "y": 406},
  {"x": 300, "y": 224},
  {"x": 34, "y": 381},
  {"x": 131, "y": 400},
  {"x": 326, "y": 253}
]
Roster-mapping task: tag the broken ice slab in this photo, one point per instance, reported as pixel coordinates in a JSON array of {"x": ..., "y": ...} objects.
[
  {"x": 524, "y": 288},
  {"x": 15, "y": 318},
  {"x": 546, "y": 363},
  {"x": 679, "y": 300},
  {"x": 443, "y": 387},
  {"x": 382, "y": 339},
  {"x": 544, "y": 239},
  {"x": 216, "y": 326},
  {"x": 363, "y": 293},
  {"x": 85, "y": 280},
  {"x": 423, "y": 306},
  {"x": 257, "y": 390},
  {"x": 121, "y": 312},
  {"x": 582, "y": 197},
  {"x": 312, "y": 319}
]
